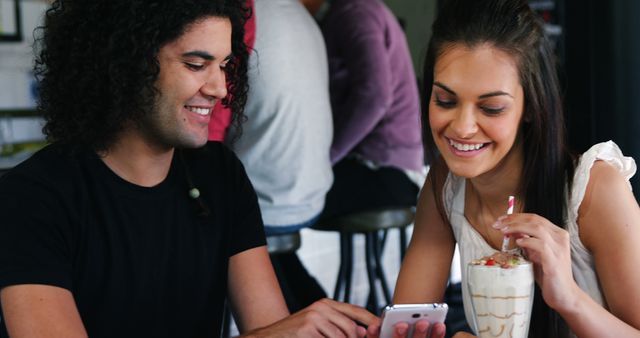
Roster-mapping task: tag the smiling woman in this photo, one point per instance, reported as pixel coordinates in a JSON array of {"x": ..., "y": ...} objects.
[
  {"x": 496, "y": 129},
  {"x": 475, "y": 123}
]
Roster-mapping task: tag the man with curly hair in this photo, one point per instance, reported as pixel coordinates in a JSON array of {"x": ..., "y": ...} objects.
[{"x": 129, "y": 224}]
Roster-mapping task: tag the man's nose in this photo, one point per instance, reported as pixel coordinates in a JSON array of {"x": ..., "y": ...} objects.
[{"x": 216, "y": 85}]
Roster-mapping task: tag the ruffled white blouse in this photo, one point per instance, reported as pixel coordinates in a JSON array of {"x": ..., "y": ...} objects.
[{"x": 472, "y": 245}]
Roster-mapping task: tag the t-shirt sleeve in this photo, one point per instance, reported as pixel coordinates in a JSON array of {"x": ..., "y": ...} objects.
[
  {"x": 247, "y": 230},
  {"x": 35, "y": 245}
]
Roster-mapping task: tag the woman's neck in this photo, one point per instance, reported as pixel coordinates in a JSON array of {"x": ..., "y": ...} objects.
[
  {"x": 486, "y": 196},
  {"x": 495, "y": 186}
]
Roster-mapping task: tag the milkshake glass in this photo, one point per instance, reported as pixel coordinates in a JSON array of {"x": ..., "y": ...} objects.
[{"x": 501, "y": 298}]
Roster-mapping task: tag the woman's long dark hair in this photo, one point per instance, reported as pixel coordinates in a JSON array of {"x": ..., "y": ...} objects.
[
  {"x": 511, "y": 26},
  {"x": 97, "y": 62}
]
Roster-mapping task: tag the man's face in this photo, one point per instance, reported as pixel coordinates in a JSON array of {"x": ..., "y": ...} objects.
[{"x": 191, "y": 80}]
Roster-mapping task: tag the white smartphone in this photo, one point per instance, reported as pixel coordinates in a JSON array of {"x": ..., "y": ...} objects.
[{"x": 411, "y": 313}]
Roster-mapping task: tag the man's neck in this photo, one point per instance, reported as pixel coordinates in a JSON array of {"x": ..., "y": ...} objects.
[{"x": 137, "y": 160}]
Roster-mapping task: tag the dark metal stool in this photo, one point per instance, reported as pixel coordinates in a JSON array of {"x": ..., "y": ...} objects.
[
  {"x": 276, "y": 244},
  {"x": 285, "y": 243},
  {"x": 374, "y": 225}
]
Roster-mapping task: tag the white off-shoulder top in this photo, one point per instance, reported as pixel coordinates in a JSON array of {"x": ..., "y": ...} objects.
[{"x": 472, "y": 245}]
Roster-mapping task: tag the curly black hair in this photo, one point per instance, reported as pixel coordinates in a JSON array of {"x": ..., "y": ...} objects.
[{"x": 97, "y": 64}]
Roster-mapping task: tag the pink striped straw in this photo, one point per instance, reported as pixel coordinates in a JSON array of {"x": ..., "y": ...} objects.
[{"x": 505, "y": 239}]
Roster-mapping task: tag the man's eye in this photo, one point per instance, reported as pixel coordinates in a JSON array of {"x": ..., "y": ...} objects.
[{"x": 194, "y": 66}]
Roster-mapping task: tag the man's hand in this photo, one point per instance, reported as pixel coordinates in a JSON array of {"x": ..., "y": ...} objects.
[{"x": 324, "y": 318}]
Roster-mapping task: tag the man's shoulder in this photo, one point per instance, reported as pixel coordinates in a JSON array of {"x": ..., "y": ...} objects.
[
  {"x": 48, "y": 179},
  {"x": 53, "y": 163}
]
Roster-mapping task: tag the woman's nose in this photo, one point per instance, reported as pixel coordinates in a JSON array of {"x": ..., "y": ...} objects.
[{"x": 464, "y": 124}]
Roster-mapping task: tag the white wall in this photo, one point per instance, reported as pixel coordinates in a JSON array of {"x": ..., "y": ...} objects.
[
  {"x": 16, "y": 61},
  {"x": 16, "y": 80}
]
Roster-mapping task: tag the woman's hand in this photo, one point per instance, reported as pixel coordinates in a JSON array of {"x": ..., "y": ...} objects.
[
  {"x": 547, "y": 246},
  {"x": 421, "y": 329}
]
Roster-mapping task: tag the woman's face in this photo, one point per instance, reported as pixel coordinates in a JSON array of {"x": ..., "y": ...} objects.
[{"x": 475, "y": 108}]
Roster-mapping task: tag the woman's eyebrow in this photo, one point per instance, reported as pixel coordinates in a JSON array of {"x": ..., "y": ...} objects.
[
  {"x": 449, "y": 90},
  {"x": 496, "y": 93},
  {"x": 483, "y": 96}
]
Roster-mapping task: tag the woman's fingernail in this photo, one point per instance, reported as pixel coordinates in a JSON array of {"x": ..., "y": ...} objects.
[
  {"x": 497, "y": 224},
  {"x": 401, "y": 330},
  {"x": 502, "y": 218}
]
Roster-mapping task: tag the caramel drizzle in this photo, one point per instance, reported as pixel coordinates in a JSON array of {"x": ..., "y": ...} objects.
[
  {"x": 488, "y": 329},
  {"x": 502, "y": 327},
  {"x": 500, "y": 317},
  {"x": 498, "y": 297}
]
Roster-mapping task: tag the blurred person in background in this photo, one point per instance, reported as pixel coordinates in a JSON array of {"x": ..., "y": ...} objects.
[
  {"x": 285, "y": 141},
  {"x": 496, "y": 129},
  {"x": 376, "y": 152}
]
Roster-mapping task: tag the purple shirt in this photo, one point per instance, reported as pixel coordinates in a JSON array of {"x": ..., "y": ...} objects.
[{"x": 374, "y": 94}]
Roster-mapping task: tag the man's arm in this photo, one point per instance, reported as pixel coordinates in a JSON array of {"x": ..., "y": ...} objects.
[
  {"x": 35, "y": 311},
  {"x": 259, "y": 305},
  {"x": 324, "y": 318},
  {"x": 254, "y": 292}
]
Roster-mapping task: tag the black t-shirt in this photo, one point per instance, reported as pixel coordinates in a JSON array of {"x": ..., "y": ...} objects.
[{"x": 140, "y": 262}]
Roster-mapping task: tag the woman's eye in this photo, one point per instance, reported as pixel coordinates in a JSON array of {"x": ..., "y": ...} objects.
[
  {"x": 194, "y": 66},
  {"x": 492, "y": 110},
  {"x": 444, "y": 103}
]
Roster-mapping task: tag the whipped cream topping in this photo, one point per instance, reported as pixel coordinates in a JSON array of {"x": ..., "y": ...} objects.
[{"x": 504, "y": 260}]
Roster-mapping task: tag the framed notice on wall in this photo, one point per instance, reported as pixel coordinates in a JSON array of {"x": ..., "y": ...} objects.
[{"x": 10, "y": 27}]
